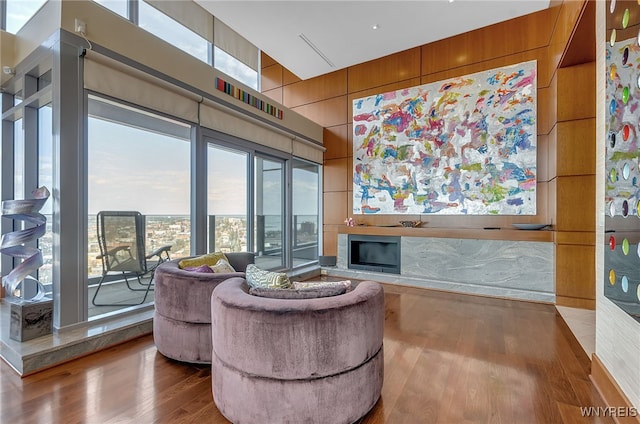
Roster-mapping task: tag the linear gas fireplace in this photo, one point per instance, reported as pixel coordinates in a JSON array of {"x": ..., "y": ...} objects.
[{"x": 374, "y": 253}]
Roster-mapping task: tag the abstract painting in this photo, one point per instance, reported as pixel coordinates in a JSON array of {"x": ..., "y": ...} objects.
[
  {"x": 622, "y": 184},
  {"x": 462, "y": 146}
]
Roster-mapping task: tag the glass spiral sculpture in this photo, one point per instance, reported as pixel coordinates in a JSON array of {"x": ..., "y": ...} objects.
[{"x": 13, "y": 243}]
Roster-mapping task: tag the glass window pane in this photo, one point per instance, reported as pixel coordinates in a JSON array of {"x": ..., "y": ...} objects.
[
  {"x": 120, "y": 7},
  {"x": 227, "y": 199},
  {"x": 162, "y": 26},
  {"x": 18, "y": 160},
  {"x": 235, "y": 68},
  {"x": 305, "y": 183},
  {"x": 17, "y": 98},
  {"x": 44, "y": 80},
  {"x": 45, "y": 178},
  {"x": 20, "y": 11},
  {"x": 134, "y": 168},
  {"x": 269, "y": 219}
]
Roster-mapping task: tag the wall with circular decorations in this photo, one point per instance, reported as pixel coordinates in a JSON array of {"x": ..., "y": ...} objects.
[{"x": 622, "y": 185}]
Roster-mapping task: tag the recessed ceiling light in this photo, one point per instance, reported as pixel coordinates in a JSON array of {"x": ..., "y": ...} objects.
[{"x": 375, "y": 26}]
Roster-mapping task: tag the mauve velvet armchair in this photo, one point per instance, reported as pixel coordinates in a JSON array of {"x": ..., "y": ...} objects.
[
  {"x": 182, "y": 317},
  {"x": 296, "y": 361}
]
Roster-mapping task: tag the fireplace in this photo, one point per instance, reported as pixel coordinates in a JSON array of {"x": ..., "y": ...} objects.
[{"x": 374, "y": 253}]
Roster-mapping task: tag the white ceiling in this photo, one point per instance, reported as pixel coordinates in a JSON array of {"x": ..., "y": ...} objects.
[{"x": 342, "y": 30}]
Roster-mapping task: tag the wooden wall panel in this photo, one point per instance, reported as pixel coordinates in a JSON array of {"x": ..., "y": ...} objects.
[
  {"x": 316, "y": 89},
  {"x": 330, "y": 240},
  {"x": 335, "y": 174},
  {"x": 576, "y": 96},
  {"x": 503, "y": 39},
  {"x": 335, "y": 141},
  {"x": 574, "y": 278},
  {"x": 275, "y": 94},
  {"x": 582, "y": 44},
  {"x": 544, "y": 165},
  {"x": 386, "y": 70},
  {"x": 545, "y": 72},
  {"x": 288, "y": 77},
  {"x": 552, "y": 199},
  {"x": 542, "y": 205},
  {"x": 328, "y": 113},
  {"x": 570, "y": 12},
  {"x": 576, "y": 147},
  {"x": 575, "y": 207},
  {"x": 266, "y": 60},
  {"x": 546, "y": 110},
  {"x": 334, "y": 207},
  {"x": 271, "y": 77}
]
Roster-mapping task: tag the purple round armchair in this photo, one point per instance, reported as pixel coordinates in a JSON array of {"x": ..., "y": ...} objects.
[
  {"x": 296, "y": 360},
  {"x": 182, "y": 317}
]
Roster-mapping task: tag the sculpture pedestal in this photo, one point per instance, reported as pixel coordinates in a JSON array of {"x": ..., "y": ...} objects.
[{"x": 30, "y": 320}]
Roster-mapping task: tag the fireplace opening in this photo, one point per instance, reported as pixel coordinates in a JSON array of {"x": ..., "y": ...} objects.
[{"x": 374, "y": 253}]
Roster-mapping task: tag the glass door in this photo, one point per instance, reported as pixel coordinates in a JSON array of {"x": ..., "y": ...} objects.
[
  {"x": 269, "y": 219},
  {"x": 227, "y": 199}
]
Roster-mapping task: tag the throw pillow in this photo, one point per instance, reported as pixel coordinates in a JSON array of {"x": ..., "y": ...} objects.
[
  {"x": 309, "y": 284},
  {"x": 201, "y": 268},
  {"x": 222, "y": 267},
  {"x": 257, "y": 277},
  {"x": 208, "y": 259},
  {"x": 306, "y": 293}
]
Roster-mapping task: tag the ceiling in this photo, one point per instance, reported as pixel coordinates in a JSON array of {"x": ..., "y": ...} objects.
[{"x": 311, "y": 38}]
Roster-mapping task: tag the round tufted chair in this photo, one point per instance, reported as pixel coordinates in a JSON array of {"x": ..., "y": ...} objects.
[
  {"x": 296, "y": 361},
  {"x": 182, "y": 316}
]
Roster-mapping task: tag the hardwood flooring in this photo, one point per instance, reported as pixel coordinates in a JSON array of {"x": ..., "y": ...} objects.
[{"x": 449, "y": 358}]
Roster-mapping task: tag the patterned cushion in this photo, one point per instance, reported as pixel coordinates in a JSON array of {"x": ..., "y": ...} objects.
[
  {"x": 208, "y": 259},
  {"x": 309, "y": 284},
  {"x": 306, "y": 293},
  {"x": 222, "y": 267},
  {"x": 257, "y": 277}
]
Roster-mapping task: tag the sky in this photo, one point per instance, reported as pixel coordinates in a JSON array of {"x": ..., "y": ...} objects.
[{"x": 130, "y": 168}]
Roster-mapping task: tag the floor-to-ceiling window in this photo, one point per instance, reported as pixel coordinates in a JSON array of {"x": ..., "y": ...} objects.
[
  {"x": 45, "y": 178},
  {"x": 305, "y": 183},
  {"x": 137, "y": 161},
  {"x": 227, "y": 224},
  {"x": 269, "y": 217},
  {"x": 18, "y": 12}
]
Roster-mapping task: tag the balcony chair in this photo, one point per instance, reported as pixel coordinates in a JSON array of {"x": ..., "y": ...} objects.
[{"x": 122, "y": 251}]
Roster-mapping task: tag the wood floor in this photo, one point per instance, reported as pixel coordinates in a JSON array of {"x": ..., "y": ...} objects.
[{"x": 449, "y": 358}]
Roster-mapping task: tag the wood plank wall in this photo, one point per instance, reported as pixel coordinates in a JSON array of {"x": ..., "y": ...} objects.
[{"x": 565, "y": 181}]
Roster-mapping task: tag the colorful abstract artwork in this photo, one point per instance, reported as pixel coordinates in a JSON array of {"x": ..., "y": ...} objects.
[
  {"x": 622, "y": 184},
  {"x": 466, "y": 145}
]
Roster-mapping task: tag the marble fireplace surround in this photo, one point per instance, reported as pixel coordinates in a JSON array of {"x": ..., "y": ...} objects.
[{"x": 514, "y": 269}]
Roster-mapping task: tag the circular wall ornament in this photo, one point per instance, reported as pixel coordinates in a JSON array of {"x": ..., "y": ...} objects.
[
  {"x": 626, "y": 132},
  {"x": 625, "y": 208},
  {"x": 625, "y": 95},
  {"x": 626, "y": 171},
  {"x": 612, "y": 106},
  {"x": 625, "y": 55}
]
